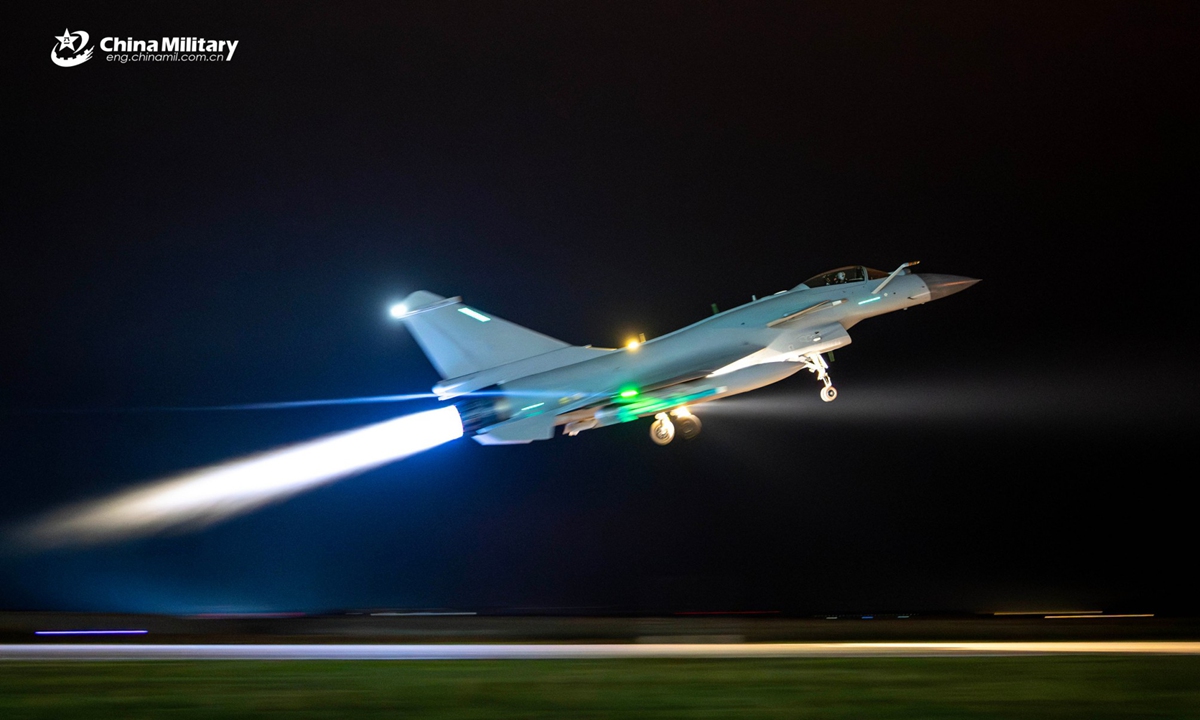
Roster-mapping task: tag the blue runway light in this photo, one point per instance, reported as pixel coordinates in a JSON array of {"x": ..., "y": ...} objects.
[{"x": 90, "y": 632}]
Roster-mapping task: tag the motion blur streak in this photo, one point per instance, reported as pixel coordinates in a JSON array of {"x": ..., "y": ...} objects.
[
  {"x": 999, "y": 399},
  {"x": 309, "y": 403},
  {"x": 553, "y": 651},
  {"x": 288, "y": 405},
  {"x": 211, "y": 494}
]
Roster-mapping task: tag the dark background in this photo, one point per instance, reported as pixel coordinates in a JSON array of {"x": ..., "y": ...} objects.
[{"x": 180, "y": 234}]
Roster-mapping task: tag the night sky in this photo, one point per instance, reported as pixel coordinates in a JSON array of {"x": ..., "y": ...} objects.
[{"x": 194, "y": 234}]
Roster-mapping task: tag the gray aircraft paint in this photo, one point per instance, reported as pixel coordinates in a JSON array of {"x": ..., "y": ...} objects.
[{"x": 538, "y": 383}]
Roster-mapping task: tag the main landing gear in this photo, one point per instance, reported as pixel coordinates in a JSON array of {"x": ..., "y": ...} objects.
[
  {"x": 816, "y": 364},
  {"x": 663, "y": 430}
]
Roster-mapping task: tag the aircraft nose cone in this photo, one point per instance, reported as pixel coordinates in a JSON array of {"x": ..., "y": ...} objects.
[{"x": 942, "y": 285}]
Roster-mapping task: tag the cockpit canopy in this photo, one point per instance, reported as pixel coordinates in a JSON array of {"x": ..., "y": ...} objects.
[{"x": 843, "y": 275}]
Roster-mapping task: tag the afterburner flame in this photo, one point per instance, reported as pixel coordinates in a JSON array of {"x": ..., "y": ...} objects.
[{"x": 207, "y": 495}]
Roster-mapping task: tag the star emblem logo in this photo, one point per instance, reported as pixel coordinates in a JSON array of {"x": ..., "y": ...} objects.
[
  {"x": 66, "y": 41},
  {"x": 74, "y": 45}
]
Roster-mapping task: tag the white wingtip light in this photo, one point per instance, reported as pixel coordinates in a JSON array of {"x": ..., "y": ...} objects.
[{"x": 398, "y": 310}]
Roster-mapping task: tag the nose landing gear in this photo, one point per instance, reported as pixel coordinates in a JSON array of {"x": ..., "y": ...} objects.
[{"x": 815, "y": 363}]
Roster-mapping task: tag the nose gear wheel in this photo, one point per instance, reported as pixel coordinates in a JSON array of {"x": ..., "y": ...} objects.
[{"x": 815, "y": 363}]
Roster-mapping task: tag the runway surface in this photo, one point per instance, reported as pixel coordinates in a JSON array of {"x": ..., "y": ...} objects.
[{"x": 568, "y": 652}]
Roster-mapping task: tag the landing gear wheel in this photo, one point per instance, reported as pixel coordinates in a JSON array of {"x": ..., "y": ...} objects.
[
  {"x": 662, "y": 431},
  {"x": 687, "y": 426},
  {"x": 816, "y": 364}
]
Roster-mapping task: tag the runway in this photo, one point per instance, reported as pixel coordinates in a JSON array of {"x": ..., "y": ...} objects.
[{"x": 93, "y": 652}]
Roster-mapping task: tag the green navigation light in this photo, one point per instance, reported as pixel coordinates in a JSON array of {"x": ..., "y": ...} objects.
[{"x": 651, "y": 405}]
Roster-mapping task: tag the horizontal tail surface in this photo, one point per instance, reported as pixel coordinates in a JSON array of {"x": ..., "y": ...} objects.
[{"x": 461, "y": 340}]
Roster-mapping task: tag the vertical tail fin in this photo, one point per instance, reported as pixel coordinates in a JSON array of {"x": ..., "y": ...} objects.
[{"x": 460, "y": 340}]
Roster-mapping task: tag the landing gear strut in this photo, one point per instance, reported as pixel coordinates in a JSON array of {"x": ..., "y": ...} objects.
[{"x": 816, "y": 364}]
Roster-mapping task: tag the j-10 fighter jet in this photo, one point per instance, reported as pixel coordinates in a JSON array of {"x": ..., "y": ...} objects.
[{"x": 515, "y": 385}]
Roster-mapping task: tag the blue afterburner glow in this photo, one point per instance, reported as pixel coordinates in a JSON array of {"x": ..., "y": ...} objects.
[
  {"x": 211, "y": 494},
  {"x": 285, "y": 405}
]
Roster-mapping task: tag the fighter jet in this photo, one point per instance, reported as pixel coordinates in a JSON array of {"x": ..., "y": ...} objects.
[{"x": 514, "y": 385}]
